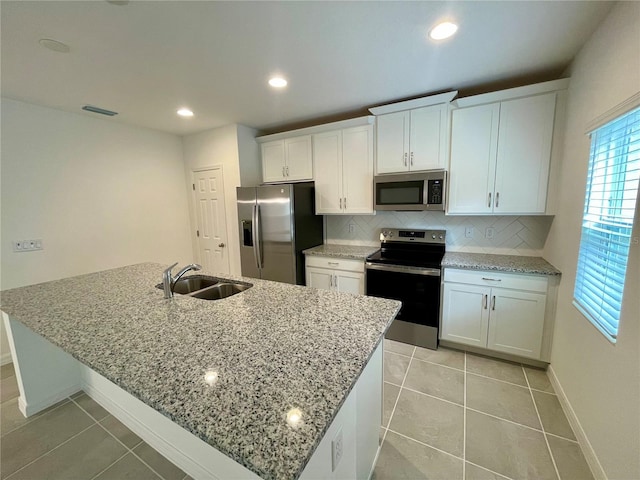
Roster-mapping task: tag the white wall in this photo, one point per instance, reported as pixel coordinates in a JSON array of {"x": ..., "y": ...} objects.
[
  {"x": 601, "y": 380},
  {"x": 229, "y": 147},
  {"x": 98, "y": 193}
]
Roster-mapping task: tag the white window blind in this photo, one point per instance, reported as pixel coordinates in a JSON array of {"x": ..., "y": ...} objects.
[{"x": 612, "y": 188}]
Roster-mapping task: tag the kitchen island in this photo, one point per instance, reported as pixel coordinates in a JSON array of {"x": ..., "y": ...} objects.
[{"x": 257, "y": 384}]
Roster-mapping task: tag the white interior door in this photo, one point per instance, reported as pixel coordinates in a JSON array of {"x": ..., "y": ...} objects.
[{"x": 208, "y": 189}]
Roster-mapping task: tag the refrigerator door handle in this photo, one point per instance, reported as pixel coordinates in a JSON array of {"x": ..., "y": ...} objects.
[{"x": 257, "y": 237}]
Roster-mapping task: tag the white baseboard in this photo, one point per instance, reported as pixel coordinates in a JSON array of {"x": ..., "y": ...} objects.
[
  {"x": 5, "y": 358},
  {"x": 28, "y": 409},
  {"x": 587, "y": 450}
]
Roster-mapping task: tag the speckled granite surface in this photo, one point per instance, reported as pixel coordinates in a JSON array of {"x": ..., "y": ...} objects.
[
  {"x": 274, "y": 347},
  {"x": 355, "y": 252},
  {"x": 502, "y": 263}
]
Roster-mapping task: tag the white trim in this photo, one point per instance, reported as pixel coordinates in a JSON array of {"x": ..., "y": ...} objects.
[
  {"x": 611, "y": 114},
  {"x": 512, "y": 93},
  {"x": 585, "y": 445},
  {"x": 192, "y": 455},
  {"x": 28, "y": 409},
  {"x": 5, "y": 358},
  {"x": 325, "y": 127},
  {"x": 593, "y": 321},
  {"x": 415, "y": 103}
]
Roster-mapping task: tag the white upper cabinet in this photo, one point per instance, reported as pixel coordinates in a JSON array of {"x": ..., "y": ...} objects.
[
  {"x": 412, "y": 135},
  {"x": 344, "y": 171},
  {"x": 287, "y": 160},
  {"x": 500, "y": 156},
  {"x": 412, "y": 140}
]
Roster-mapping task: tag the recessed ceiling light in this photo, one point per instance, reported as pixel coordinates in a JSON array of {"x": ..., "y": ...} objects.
[
  {"x": 185, "y": 112},
  {"x": 277, "y": 82},
  {"x": 54, "y": 45},
  {"x": 443, "y": 30}
]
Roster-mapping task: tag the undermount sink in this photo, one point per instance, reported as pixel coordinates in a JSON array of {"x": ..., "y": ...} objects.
[
  {"x": 207, "y": 288},
  {"x": 221, "y": 290}
]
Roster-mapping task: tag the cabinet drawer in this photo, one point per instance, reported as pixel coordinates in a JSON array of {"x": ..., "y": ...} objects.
[
  {"x": 534, "y": 283},
  {"x": 335, "y": 263}
]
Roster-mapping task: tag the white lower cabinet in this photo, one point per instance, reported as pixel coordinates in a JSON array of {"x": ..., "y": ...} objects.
[
  {"x": 497, "y": 311},
  {"x": 330, "y": 273}
]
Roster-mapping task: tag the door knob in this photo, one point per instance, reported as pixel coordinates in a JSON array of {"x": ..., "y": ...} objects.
[{"x": 221, "y": 245}]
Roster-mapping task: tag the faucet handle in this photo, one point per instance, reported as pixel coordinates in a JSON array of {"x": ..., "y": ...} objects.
[{"x": 168, "y": 270}]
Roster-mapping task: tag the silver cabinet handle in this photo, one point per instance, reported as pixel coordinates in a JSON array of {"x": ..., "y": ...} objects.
[
  {"x": 492, "y": 279},
  {"x": 485, "y": 301},
  {"x": 493, "y": 302},
  {"x": 345, "y": 203},
  {"x": 283, "y": 171},
  {"x": 287, "y": 167},
  {"x": 497, "y": 199},
  {"x": 333, "y": 263},
  {"x": 335, "y": 281},
  {"x": 489, "y": 204},
  {"x": 340, "y": 203},
  {"x": 221, "y": 245},
  {"x": 405, "y": 159},
  {"x": 411, "y": 161}
]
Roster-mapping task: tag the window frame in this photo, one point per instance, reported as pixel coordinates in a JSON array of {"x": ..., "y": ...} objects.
[{"x": 589, "y": 242}]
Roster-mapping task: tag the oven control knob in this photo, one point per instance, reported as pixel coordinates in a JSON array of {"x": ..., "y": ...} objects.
[
  {"x": 433, "y": 236},
  {"x": 390, "y": 234},
  {"x": 441, "y": 237}
]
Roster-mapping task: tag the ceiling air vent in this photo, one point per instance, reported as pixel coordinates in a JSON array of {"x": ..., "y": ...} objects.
[{"x": 101, "y": 111}]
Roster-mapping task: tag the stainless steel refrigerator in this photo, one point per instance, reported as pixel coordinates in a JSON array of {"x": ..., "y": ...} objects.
[{"x": 277, "y": 222}]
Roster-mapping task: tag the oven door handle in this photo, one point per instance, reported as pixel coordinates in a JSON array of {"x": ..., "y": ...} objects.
[{"x": 431, "y": 272}]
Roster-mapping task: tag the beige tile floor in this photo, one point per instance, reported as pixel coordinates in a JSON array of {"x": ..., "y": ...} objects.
[
  {"x": 447, "y": 415},
  {"x": 455, "y": 415}
]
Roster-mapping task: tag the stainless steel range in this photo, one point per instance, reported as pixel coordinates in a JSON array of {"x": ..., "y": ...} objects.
[{"x": 407, "y": 268}]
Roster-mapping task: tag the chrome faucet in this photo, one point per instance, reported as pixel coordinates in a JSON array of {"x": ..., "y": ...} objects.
[{"x": 168, "y": 281}]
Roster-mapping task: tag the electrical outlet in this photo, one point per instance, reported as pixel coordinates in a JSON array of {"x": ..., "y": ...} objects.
[
  {"x": 468, "y": 232},
  {"x": 352, "y": 228},
  {"x": 337, "y": 449},
  {"x": 27, "y": 245},
  {"x": 489, "y": 232}
]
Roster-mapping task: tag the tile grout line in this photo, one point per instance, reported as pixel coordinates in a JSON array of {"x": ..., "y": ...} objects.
[
  {"x": 546, "y": 441},
  {"x": 110, "y": 465},
  {"x": 130, "y": 450},
  {"x": 53, "y": 449},
  {"x": 505, "y": 419},
  {"x": 398, "y": 398},
  {"x": 499, "y": 380},
  {"x": 464, "y": 421},
  {"x": 63, "y": 403},
  {"x": 441, "y": 365},
  {"x": 489, "y": 470},
  {"x": 434, "y": 397},
  {"x": 425, "y": 444}
]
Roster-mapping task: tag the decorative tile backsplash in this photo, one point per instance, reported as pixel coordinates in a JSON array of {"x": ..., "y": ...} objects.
[{"x": 512, "y": 235}]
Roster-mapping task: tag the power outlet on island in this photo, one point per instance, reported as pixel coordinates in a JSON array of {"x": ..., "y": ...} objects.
[
  {"x": 337, "y": 449},
  {"x": 489, "y": 233},
  {"x": 468, "y": 232}
]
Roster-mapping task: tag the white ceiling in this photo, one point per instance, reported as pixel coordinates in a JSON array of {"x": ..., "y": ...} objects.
[{"x": 147, "y": 59}]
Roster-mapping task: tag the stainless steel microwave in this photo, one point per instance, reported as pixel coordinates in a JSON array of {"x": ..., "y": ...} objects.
[{"x": 411, "y": 191}]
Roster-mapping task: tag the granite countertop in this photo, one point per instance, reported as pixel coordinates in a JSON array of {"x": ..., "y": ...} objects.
[
  {"x": 274, "y": 346},
  {"x": 356, "y": 252},
  {"x": 502, "y": 263}
]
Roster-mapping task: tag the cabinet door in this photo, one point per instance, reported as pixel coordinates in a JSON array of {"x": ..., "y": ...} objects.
[
  {"x": 357, "y": 170},
  {"x": 517, "y": 322},
  {"x": 524, "y": 153},
  {"x": 327, "y": 154},
  {"x": 273, "y": 161},
  {"x": 321, "y": 278},
  {"x": 474, "y": 135},
  {"x": 393, "y": 142},
  {"x": 350, "y": 282},
  {"x": 465, "y": 314},
  {"x": 424, "y": 138},
  {"x": 299, "y": 164}
]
